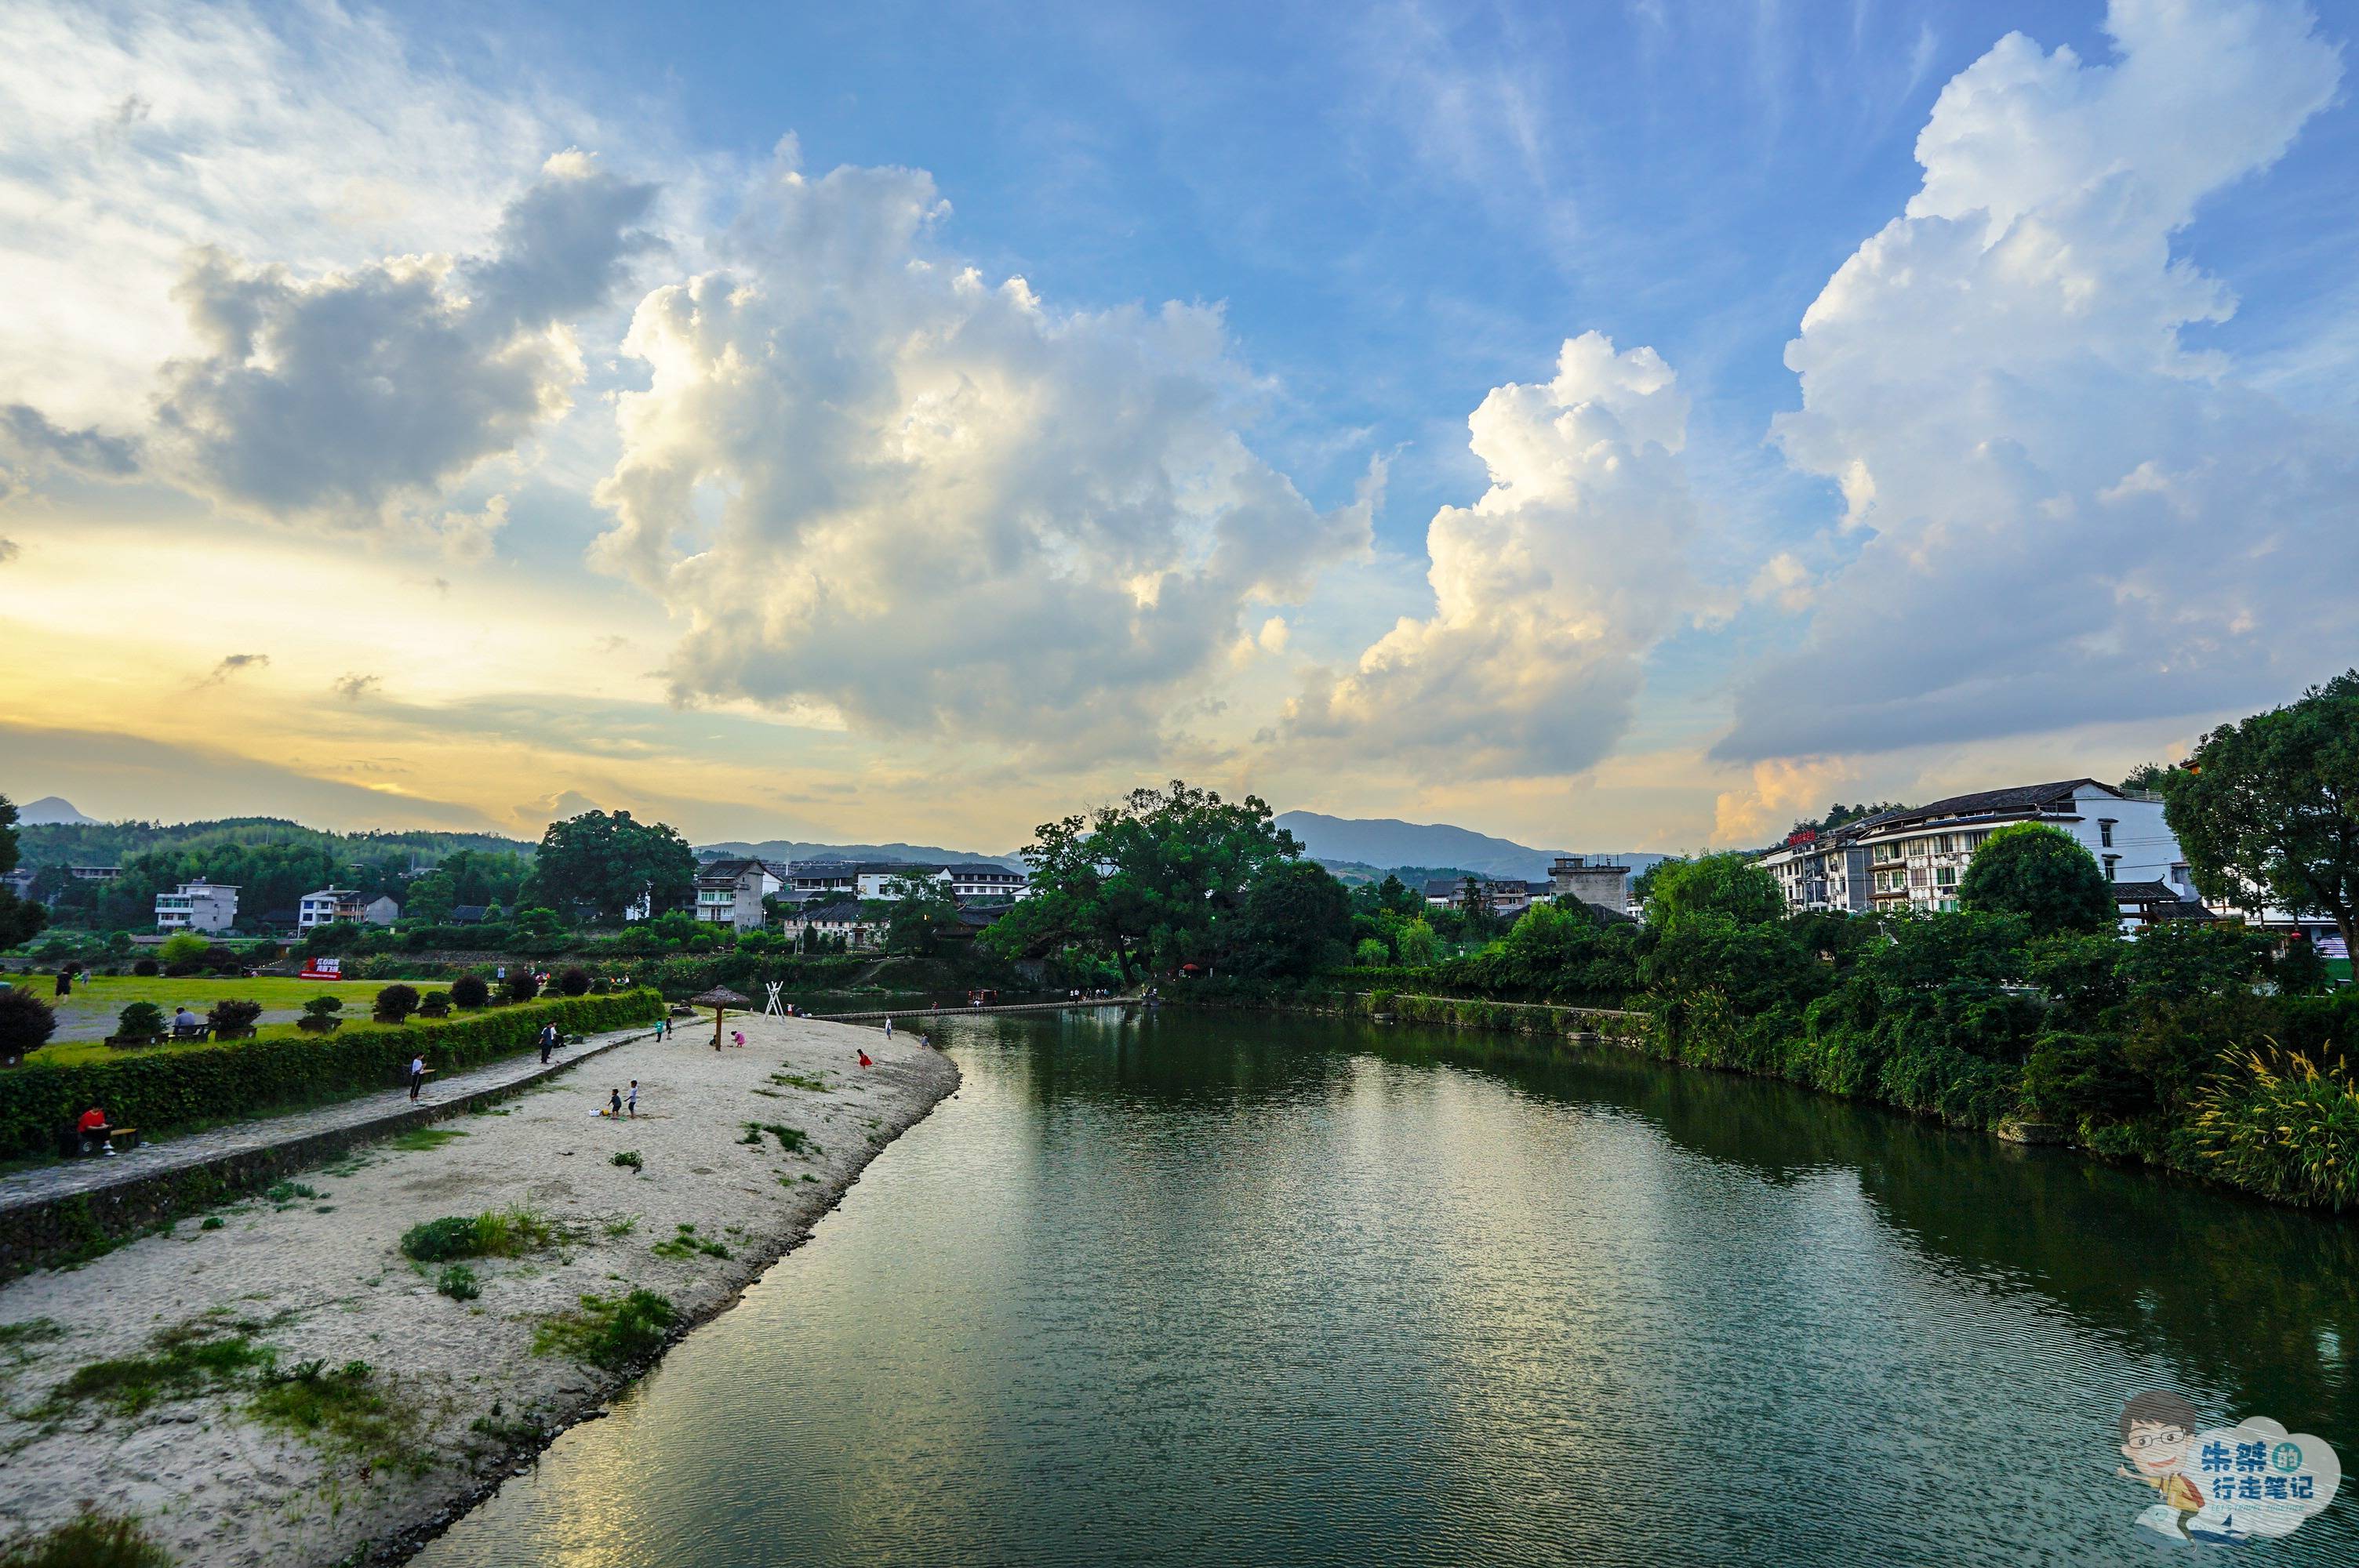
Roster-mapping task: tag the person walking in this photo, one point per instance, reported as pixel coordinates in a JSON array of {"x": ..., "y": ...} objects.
[
  {"x": 635, "y": 1099},
  {"x": 614, "y": 1104},
  {"x": 417, "y": 1077},
  {"x": 888, "y": 1026},
  {"x": 548, "y": 1041}
]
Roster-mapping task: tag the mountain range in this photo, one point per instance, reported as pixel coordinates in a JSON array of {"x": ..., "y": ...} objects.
[
  {"x": 1385, "y": 841},
  {"x": 793, "y": 850}
]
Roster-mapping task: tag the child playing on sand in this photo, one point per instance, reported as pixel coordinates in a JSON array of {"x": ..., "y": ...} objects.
[{"x": 615, "y": 1105}]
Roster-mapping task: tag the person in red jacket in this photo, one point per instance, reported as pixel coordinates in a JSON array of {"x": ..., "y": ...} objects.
[{"x": 93, "y": 1128}]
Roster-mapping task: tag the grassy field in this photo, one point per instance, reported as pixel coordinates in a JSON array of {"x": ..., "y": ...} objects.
[
  {"x": 112, "y": 995},
  {"x": 88, "y": 1015}
]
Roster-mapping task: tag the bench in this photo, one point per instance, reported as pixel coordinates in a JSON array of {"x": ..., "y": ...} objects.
[
  {"x": 123, "y": 1137},
  {"x": 192, "y": 1032}
]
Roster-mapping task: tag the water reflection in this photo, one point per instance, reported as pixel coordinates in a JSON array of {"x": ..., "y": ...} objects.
[{"x": 1207, "y": 1289}]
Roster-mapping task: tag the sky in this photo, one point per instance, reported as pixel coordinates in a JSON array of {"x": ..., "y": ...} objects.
[{"x": 1629, "y": 425}]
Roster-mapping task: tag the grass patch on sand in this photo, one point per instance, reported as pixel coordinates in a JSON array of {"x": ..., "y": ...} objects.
[
  {"x": 183, "y": 1361},
  {"x": 417, "y": 1140},
  {"x": 495, "y": 1233},
  {"x": 17, "y": 1339},
  {"x": 815, "y": 1082},
  {"x": 611, "y": 1332},
  {"x": 345, "y": 1410},
  {"x": 687, "y": 1243},
  {"x": 790, "y": 1138},
  {"x": 94, "y": 1541}
]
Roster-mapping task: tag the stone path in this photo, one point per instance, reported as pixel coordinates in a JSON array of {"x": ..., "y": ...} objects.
[{"x": 70, "y": 1178}]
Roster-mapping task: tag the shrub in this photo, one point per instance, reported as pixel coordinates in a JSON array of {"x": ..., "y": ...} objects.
[
  {"x": 574, "y": 982},
  {"x": 183, "y": 947},
  {"x": 93, "y": 1541},
  {"x": 146, "y": 966},
  {"x": 232, "y": 1015},
  {"x": 26, "y": 1021},
  {"x": 520, "y": 986},
  {"x": 162, "y": 1090},
  {"x": 495, "y": 1233},
  {"x": 458, "y": 1282},
  {"x": 611, "y": 1332},
  {"x": 2280, "y": 1124},
  {"x": 470, "y": 992},
  {"x": 140, "y": 1019},
  {"x": 184, "y": 968},
  {"x": 628, "y": 1159},
  {"x": 319, "y": 1014},
  {"x": 435, "y": 1004},
  {"x": 393, "y": 1003}
]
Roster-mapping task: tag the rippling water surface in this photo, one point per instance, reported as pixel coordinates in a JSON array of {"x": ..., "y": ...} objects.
[{"x": 1213, "y": 1289}]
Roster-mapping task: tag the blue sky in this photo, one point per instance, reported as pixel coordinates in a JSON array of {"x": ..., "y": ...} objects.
[{"x": 1395, "y": 215}]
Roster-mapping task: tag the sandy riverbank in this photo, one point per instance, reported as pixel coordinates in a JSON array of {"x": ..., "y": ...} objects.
[{"x": 454, "y": 1393}]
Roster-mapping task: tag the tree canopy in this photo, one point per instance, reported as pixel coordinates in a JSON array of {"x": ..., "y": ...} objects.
[
  {"x": 2042, "y": 874},
  {"x": 1727, "y": 884},
  {"x": 606, "y": 862},
  {"x": 18, "y": 919},
  {"x": 2271, "y": 805},
  {"x": 1145, "y": 880}
]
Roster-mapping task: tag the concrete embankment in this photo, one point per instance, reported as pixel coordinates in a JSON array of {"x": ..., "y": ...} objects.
[{"x": 276, "y": 1383}]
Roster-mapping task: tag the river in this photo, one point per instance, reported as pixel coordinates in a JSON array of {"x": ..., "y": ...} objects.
[{"x": 1209, "y": 1288}]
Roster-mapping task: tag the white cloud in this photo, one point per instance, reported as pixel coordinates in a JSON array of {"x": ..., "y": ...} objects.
[
  {"x": 1548, "y": 591},
  {"x": 139, "y": 129},
  {"x": 876, "y": 482},
  {"x": 353, "y": 394},
  {"x": 2074, "y": 517}
]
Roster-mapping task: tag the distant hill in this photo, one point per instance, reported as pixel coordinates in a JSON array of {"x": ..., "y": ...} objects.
[
  {"x": 790, "y": 849},
  {"x": 1382, "y": 841},
  {"x": 51, "y": 810},
  {"x": 84, "y": 842}
]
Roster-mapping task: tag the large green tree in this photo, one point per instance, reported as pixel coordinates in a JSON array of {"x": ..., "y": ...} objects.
[
  {"x": 18, "y": 919},
  {"x": 923, "y": 911},
  {"x": 2043, "y": 874},
  {"x": 1142, "y": 881},
  {"x": 605, "y": 861},
  {"x": 1296, "y": 920},
  {"x": 2271, "y": 805},
  {"x": 1727, "y": 884}
]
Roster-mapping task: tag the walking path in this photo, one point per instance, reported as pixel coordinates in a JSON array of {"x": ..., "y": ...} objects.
[{"x": 72, "y": 1178}]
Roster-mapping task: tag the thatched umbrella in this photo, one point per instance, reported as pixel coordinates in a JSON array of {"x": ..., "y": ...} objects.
[{"x": 720, "y": 999}]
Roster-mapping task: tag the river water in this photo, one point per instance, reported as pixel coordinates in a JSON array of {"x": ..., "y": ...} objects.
[{"x": 1200, "y": 1288}]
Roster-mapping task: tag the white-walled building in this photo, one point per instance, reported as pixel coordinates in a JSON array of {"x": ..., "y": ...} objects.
[
  {"x": 845, "y": 918},
  {"x": 327, "y": 906},
  {"x": 197, "y": 906},
  {"x": 1915, "y": 859},
  {"x": 730, "y": 892}
]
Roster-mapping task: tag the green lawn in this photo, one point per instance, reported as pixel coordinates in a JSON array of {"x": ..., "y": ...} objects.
[
  {"x": 88, "y": 1015},
  {"x": 113, "y": 994}
]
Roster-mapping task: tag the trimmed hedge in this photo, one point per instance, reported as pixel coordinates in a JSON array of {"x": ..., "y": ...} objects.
[{"x": 157, "y": 1092}]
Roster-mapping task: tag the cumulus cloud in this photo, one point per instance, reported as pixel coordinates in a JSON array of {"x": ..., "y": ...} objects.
[
  {"x": 881, "y": 486},
  {"x": 1548, "y": 590},
  {"x": 352, "y": 688},
  {"x": 353, "y": 394},
  {"x": 2068, "y": 514}
]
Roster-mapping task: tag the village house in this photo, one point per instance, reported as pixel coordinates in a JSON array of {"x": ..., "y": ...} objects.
[
  {"x": 730, "y": 892},
  {"x": 846, "y": 919},
  {"x": 197, "y": 906}
]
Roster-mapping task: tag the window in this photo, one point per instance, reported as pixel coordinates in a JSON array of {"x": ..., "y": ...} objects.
[
  {"x": 2105, "y": 831},
  {"x": 1945, "y": 876},
  {"x": 2112, "y": 861},
  {"x": 1949, "y": 905}
]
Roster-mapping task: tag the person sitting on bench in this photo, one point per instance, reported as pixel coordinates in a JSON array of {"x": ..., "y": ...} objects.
[
  {"x": 93, "y": 1128},
  {"x": 184, "y": 1022}
]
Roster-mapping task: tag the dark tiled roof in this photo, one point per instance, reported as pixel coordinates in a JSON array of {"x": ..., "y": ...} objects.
[
  {"x": 2018, "y": 799},
  {"x": 844, "y": 912},
  {"x": 467, "y": 914}
]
